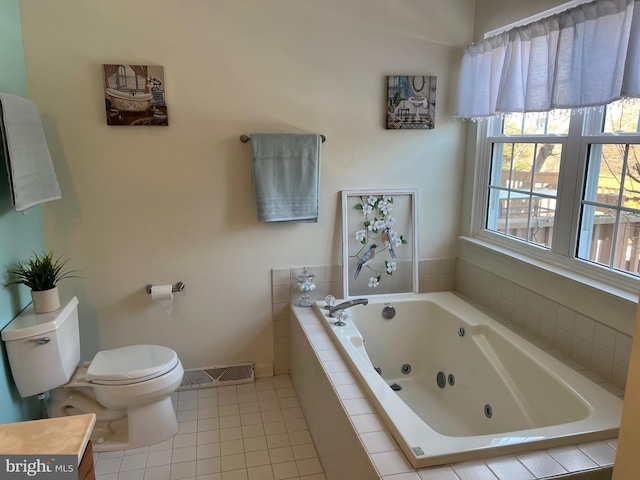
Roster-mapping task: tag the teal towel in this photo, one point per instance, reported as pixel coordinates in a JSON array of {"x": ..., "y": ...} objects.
[
  {"x": 31, "y": 175},
  {"x": 286, "y": 175}
]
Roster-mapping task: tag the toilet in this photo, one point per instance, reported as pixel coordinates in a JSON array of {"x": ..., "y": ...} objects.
[{"x": 128, "y": 388}]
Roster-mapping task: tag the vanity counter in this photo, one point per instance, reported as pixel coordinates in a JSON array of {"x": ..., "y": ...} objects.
[{"x": 52, "y": 436}]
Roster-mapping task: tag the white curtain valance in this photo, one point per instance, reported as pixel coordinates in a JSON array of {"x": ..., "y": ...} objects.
[{"x": 586, "y": 56}]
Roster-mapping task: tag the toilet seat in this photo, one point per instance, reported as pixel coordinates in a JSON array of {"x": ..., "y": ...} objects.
[{"x": 130, "y": 364}]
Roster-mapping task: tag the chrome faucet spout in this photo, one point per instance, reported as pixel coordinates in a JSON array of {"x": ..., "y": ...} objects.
[{"x": 348, "y": 304}]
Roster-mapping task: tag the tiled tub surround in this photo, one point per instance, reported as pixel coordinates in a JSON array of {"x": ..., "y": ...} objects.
[
  {"x": 353, "y": 442},
  {"x": 435, "y": 275},
  {"x": 601, "y": 352},
  {"x": 532, "y": 397},
  {"x": 597, "y": 350}
]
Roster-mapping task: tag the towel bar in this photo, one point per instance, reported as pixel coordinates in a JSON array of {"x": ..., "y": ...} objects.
[
  {"x": 178, "y": 287},
  {"x": 245, "y": 138}
]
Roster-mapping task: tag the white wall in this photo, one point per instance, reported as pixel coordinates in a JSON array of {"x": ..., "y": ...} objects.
[{"x": 160, "y": 205}]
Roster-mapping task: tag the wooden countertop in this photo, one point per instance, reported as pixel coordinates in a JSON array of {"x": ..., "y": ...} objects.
[{"x": 62, "y": 435}]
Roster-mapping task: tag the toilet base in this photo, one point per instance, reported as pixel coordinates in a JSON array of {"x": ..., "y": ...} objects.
[
  {"x": 145, "y": 425},
  {"x": 137, "y": 426}
]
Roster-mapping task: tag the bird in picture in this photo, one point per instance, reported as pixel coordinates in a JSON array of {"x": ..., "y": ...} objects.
[
  {"x": 384, "y": 236},
  {"x": 366, "y": 258}
]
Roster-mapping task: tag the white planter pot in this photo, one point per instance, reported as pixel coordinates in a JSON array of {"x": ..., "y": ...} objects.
[{"x": 46, "y": 301}]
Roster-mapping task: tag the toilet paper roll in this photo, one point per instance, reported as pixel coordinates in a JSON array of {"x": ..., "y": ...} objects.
[
  {"x": 162, "y": 295},
  {"x": 161, "y": 292}
]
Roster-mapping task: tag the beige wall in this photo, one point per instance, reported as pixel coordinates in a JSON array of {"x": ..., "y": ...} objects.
[
  {"x": 627, "y": 459},
  {"x": 161, "y": 205}
]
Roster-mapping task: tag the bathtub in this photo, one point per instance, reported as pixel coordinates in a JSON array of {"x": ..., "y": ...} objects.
[
  {"x": 129, "y": 101},
  {"x": 454, "y": 385}
]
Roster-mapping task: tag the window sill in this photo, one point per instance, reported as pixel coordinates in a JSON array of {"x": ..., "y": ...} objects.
[{"x": 618, "y": 292}]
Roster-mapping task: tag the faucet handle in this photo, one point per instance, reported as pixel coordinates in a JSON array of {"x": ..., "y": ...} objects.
[
  {"x": 341, "y": 316},
  {"x": 330, "y": 301}
]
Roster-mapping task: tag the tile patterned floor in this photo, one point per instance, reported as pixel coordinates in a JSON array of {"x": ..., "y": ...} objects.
[{"x": 241, "y": 432}]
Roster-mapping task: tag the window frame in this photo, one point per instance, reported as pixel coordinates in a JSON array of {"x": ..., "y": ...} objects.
[{"x": 562, "y": 255}]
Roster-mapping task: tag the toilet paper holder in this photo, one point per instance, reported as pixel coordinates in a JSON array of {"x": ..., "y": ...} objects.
[{"x": 178, "y": 287}]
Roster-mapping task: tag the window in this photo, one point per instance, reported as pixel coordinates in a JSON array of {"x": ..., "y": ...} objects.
[
  {"x": 565, "y": 187},
  {"x": 523, "y": 183}
]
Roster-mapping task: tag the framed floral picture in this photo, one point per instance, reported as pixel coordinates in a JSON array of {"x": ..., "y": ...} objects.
[
  {"x": 380, "y": 248},
  {"x": 134, "y": 95},
  {"x": 411, "y": 102}
]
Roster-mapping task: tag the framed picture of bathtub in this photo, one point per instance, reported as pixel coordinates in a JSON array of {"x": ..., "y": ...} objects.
[
  {"x": 411, "y": 102},
  {"x": 379, "y": 242},
  {"x": 134, "y": 95}
]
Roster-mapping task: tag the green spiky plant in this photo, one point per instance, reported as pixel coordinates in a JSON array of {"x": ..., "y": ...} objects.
[{"x": 40, "y": 273}]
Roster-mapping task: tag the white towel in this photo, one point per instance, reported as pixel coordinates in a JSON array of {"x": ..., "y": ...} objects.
[
  {"x": 286, "y": 175},
  {"x": 32, "y": 178}
]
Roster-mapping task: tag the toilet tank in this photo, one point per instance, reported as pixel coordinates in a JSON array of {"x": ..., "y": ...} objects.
[{"x": 43, "y": 348}]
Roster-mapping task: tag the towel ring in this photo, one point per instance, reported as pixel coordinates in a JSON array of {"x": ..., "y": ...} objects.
[{"x": 246, "y": 138}]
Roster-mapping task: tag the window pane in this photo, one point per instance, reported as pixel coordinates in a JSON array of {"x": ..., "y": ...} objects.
[
  {"x": 517, "y": 209},
  {"x": 523, "y": 190},
  {"x": 631, "y": 193},
  {"x": 528, "y": 166},
  {"x": 596, "y": 234},
  {"x": 607, "y": 169},
  {"x": 541, "y": 219},
  {"x": 621, "y": 117},
  {"x": 601, "y": 243},
  {"x": 610, "y": 222},
  {"x": 547, "y": 168},
  {"x": 555, "y": 122},
  {"x": 496, "y": 218},
  {"x": 627, "y": 254},
  {"x": 606, "y": 166}
]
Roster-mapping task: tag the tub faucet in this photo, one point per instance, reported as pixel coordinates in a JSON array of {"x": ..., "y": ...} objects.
[{"x": 347, "y": 304}]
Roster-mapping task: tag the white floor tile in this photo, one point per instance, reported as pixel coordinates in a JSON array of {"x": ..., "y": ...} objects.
[
  {"x": 233, "y": 462},
  {"x": 285, "y": 470},
  {"x": 208, "y": 450},
  {"x": 133, "y": 462},
  {"x": 309, "y": 466},
  {"x": 231, "y": 447},
  {"x": 253, "y": 444},
  {"x": 131, "y": 475},
  {"x": 263, "y": 472},
  {"x": 236, "y": 475},
  {"x": 182, "y": 470},
  {"x": 208, "y": 436},
  {"x": 184, "y": 454},
  {"x": 208, "y": 465},
  {"x": 300, "y": 437},
  {"x": 241, "y": 432},
  {"x": 278, "y": 440},
  {"x": 157, "y": 473},
  {"x": 281, "y": 454},
  {"x": 108, "y": 465},
  {"x": 257, "y": 458}
]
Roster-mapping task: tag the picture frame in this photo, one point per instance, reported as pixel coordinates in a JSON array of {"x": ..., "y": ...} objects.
[
  {"x": 379, "y": 242},
  {"x": 411, "y": 102},
  {"x": 134, "y": 95}
]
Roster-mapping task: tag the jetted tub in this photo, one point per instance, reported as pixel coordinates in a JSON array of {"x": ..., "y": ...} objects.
[{"x": 469, "y": 387}]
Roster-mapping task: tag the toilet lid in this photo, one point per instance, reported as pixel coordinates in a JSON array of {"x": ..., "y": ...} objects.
[{"x": 131, "y": 364}]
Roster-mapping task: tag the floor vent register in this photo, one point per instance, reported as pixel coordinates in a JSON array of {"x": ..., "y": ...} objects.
[{"x": 217, "y": 376}]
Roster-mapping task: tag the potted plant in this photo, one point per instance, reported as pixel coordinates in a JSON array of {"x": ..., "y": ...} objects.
[{"x": 42, "y": 274}]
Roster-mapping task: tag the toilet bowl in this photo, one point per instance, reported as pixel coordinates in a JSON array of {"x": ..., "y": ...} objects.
[{"x": 128, "y": 388}]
